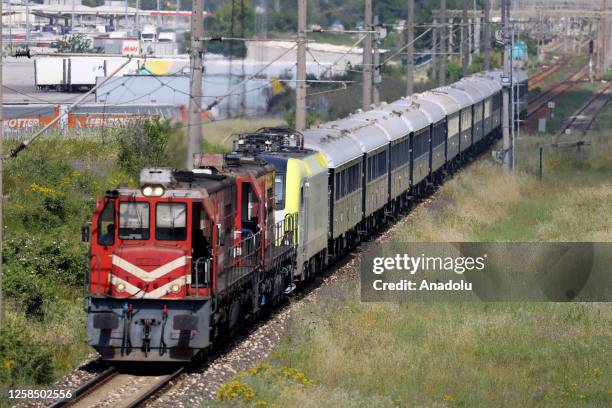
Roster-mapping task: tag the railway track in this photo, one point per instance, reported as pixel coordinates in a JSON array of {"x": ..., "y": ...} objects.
[
  {"x": 112, "y": 388},
  {"x": 545, "y": 73},
  {"x": 540, "y": 101},
  {"x": 574, "y": 130}
]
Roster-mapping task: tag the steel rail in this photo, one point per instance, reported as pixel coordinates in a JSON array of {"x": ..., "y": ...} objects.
[
  {"x": 155, "y": 388},
  {"x": 540, "y": 100},
  {"x": 86, "y": 388},
  {"x": 576, "y": 115}
]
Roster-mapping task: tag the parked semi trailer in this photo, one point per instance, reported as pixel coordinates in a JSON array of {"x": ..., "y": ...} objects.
[
  {"x": 67, "y": 74},
  {"x": 74, "y": 74},
  {"x": 49, "y": 73}
]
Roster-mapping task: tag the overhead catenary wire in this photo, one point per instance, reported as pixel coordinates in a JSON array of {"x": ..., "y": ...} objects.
[{"x": 259, "y": 71}]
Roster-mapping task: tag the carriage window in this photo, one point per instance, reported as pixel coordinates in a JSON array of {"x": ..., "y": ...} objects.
[
  {"x": 171, "y": 221},
  {"x": 279, "y": 191},
  {"x": 106, "y": 225},
  {"x": 133, "y": 220}
]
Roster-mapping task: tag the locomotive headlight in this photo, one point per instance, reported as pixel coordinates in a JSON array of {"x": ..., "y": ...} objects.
[
  {"x": 152, "y": 191},
  {"x": 175, "y": 288},
  {"x": 120, "y": 287}
]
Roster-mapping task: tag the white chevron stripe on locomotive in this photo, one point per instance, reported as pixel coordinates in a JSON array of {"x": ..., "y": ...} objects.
[
  {"x": 155, "y": 273},
  {"x": 154, "y": 294}
]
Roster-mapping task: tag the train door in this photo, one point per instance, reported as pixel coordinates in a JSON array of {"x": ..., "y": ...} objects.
[
  {"x": 105, "y": 234},
  {"x": 202, "y": 243},
  {"x": 249, "y": 221},
  {"x": 303, "y": 221},
  {"x": 304, "y": 197}
]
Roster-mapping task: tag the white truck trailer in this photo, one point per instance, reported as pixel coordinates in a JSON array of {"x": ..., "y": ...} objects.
[{"x": 49, "y": 73}]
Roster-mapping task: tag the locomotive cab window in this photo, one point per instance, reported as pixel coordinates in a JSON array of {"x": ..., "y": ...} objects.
[
  {"x": 171, "y": 221},
  {"x": 279, "y": 191},
  {"x": 133, "y": 220},
  {"x": 106, "y": 225}
]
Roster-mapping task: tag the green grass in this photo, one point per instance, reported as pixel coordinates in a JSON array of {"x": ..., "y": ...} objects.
[
  {"x": 573, "y": 65},
  {"x": 463, "y": 354},
  {"x": 568, "y": 103}
]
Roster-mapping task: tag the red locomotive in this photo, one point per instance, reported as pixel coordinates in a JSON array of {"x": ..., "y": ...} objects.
[{"x": 186, "y": 258}]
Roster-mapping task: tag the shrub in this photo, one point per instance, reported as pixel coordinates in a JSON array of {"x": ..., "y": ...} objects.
[
  {"x": 147, "y": 143},
  {"x": 23, "y": 360},
  {"x": 36, "y": 266}
]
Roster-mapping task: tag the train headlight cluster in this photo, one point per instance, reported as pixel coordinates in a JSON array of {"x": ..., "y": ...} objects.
[
  {"x": 153, "y": 191},
  {"x": 120, "y": 287},
  {"x": 175, "y": 288}
]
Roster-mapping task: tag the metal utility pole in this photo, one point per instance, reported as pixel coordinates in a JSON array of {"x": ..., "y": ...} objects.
[
  {"x": 410, "y": 51},
  {"x": 591, "y": 49},
  {"x": 159, "y": 22},
  {"x": 443, "y": 37},
  {"x": 178, "y": 9},
  {"x": 476, "y": 30},
  {"x": 27, "y": 16},
  {"x": 434, "y": 50},
  {"x": 73, "y": 13},
  {"x": 506, "y": 84},
  {"x": 195, "y": 89},
  {"x": 366, "y": 97},
  {"x": 125, "y": 17},
  {"x": 465, "y": 41},
  {"x": 300, "y": 91},
  {"x": 376, "y": 73},
  {"x": 487, "y": 35},
  {"x": 137, "y": 17}
]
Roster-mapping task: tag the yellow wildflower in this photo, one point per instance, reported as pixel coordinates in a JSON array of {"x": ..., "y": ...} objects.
[
  {"x": 43, "y": 190},
  {"x": 447, "y": 398},
  {"x": 235, "y": 390}
]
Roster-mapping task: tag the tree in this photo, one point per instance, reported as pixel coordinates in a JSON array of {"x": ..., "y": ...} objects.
[
  {"x": 149, "y": 143},
  {"x": 76, "y": 43},
  {"x": 220, "y": 25}
]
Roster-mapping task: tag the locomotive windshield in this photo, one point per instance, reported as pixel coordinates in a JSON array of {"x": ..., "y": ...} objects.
[
  {"x": 134, "y": 220},
  {"x": 171, "y": 221}
]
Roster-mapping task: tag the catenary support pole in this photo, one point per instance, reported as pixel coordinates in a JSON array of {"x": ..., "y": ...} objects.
[
  {"x": 366, "y": 97},
  {"x": 377, "y": 81},
  {"x": 487, "y": 35},
  {"x": 300, "y": 92},
  {"x": 506, "y": 143},
  {"x": 477, "y": 26},
  {"x": 465, "y": 40},
  {"x": 195, "y": 88},
  {"x": 410, "y": 51},
  {"x": 434, "y": 50},
  {"x": 443, "y": 38},
  {"x": 159, "y": 19}
]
